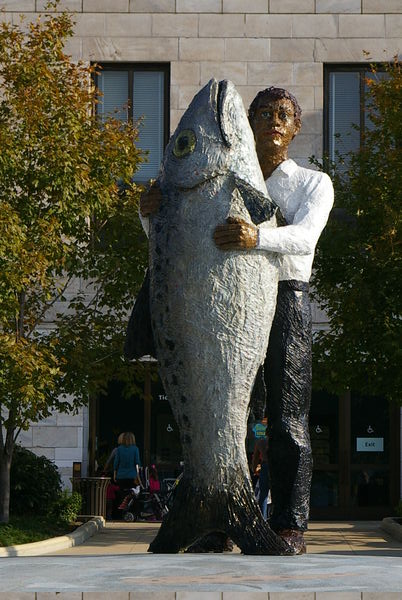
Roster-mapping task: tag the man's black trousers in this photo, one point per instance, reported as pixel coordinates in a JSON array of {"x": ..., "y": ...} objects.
[{"x": 288, "y": 376}]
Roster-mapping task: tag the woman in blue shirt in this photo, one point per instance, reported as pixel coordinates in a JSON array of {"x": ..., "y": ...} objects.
[{"x": 126, "y": 461}]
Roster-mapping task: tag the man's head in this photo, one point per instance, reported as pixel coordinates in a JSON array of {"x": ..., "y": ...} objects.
[
  {"x": 269, "y": 94},
  {"x": 275, "y": 117}
]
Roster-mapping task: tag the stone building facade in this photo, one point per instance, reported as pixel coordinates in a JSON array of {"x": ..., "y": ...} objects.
[{"x": 255, "y": 43}]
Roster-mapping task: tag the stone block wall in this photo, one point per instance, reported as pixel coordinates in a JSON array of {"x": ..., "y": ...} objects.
[
  {"x": 62, "y": 438},
  {"x": 255, "y": 44}
]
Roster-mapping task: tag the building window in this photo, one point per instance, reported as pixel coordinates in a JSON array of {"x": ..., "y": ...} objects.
[
  {"x": 345, "y": 101},
  {"x": 139, "y": 92}
]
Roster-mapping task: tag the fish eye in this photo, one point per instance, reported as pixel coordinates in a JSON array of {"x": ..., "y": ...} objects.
[{"x": 185, "y": 143}]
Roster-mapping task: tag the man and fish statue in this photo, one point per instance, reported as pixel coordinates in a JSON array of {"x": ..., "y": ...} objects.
[{"x": 208, "y": 313}]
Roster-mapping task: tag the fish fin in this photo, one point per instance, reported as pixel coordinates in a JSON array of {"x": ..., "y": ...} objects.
[
  {"x": 139, "y": 337},
  {"x": 260, "y": 207}
]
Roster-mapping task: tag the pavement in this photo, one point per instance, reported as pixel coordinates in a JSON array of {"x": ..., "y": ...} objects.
[{"x": 342, "y": 557}]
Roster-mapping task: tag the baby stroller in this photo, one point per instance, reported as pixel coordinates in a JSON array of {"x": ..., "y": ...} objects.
[
  {"x": 170, "y": 485},
  {"x": 142, "y": 505}
]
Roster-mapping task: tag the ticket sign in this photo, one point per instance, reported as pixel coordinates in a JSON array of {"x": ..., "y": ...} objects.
[{"x": 370, "y": 444}]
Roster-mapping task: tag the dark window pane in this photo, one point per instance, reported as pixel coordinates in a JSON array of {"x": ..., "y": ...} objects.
[
  {"x": 324, "y": 489},
  {"x": 139, "y": 92},
  {"x": 344, "y": 111},
  {"x": 148, "y": 95},
  {"x": 114, "y": 87},
  {"x": 369, "y": 430},
  {"x": 370, "y": 487},
  {"x": 324, "y": 428}
]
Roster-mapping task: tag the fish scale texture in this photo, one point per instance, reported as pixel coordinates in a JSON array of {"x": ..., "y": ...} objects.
[
  {"x": 212, "y": 312},
  {"x": 211, "y": 316}
]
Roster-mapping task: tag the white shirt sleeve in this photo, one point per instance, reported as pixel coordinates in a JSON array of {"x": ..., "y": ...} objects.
[
  {"x": 144, "y": 223},
  {"x": 301, "y": 237}
]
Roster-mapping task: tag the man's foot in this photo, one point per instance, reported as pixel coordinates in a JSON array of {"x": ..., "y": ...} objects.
[{"x": 295, "y": 539}]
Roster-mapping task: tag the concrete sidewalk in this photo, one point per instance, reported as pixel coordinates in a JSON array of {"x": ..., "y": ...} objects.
[{"x": 332, "y": 538}]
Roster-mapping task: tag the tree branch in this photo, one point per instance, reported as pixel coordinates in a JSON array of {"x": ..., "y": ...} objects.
[{"x": 48, "y": 306}]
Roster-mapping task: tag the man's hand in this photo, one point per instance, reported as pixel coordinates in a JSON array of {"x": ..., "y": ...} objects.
[
  {"x": 236, "y": 234},
  {"x": 150, "y": 201}
]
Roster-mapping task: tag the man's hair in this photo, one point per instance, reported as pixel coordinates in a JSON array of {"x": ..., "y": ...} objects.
[{"x": 273, "y": 93}]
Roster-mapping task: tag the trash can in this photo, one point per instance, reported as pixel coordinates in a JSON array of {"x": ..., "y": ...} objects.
[{"x": 93, "y": 492}]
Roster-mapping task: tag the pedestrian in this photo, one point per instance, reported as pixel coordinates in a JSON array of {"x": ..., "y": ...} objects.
[
  {"x": 108, "y": 466},
  {"x": 126, "y": 461},
  {"x": 111, "y": 497},
  {"x": 260, "y": 460},
  {"x": 154, "y": 483}
]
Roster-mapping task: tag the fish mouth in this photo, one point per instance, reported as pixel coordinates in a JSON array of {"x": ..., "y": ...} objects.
[{"x": 221, "y": 94}]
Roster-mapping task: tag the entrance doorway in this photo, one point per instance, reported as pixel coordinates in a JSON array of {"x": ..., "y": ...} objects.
[
  {"x": 355, "y": 441},
  {"x": 148, "y": 415},
  {"x": 114, "y": 414}
]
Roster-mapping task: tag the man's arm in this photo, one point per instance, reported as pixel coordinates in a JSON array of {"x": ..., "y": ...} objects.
[
  {"x": 301, "y": 237},
  {"x": 150, "y": 202},
  {"x": 256, "y": 457}
]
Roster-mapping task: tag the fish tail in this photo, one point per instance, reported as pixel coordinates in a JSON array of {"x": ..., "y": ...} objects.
[
  {"x": 231, "y": 513},
  {"x": 248, "y": 529},
  {"x": 183, "y": 524}
]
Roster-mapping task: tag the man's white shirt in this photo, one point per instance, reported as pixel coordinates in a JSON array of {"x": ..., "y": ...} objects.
[{"x": 305, "y": 198}]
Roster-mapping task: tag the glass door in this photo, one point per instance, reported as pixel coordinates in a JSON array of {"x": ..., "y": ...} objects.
[
  {"x": 370, "y": 452},
  {"x": 355, "y": 442},
  {"x": 324, "y": 434}
]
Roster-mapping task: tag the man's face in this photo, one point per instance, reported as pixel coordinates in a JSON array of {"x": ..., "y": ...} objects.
[{"x": 274, "y": 126}]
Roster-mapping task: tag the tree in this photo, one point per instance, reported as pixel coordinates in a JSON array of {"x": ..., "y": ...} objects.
[
  {"x": 357, "y": 276},
  {"x": 71, "y": 251}
]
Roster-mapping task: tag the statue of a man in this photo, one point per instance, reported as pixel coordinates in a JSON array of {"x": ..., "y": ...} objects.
[{"x": 305, "y": 198}]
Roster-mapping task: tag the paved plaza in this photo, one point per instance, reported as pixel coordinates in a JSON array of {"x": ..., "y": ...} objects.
[{"x": 342, "y": 557}]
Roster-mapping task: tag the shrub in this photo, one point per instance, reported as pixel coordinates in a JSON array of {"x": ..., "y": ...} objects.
[
  {"x": 66, "y": 508},
  {"x": 35, "y": 483}
]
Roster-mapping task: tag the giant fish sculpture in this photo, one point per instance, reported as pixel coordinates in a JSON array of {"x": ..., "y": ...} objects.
[{"x": 211, "y": 313}]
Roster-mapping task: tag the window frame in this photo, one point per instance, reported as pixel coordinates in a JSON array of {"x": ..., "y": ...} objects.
[
  {"x": 362, "y": 69},
  {"x": 131, "y": 67}
]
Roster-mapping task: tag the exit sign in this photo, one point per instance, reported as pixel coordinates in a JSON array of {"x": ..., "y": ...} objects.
[{"x": 370, "y": 444}]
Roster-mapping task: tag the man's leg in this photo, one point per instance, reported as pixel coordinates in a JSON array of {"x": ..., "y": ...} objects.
[
  {"x": 264, "y": 485},
  {"x": 288, "y": 369}
]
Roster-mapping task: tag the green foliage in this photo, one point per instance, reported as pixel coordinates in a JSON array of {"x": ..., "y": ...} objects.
[
  {"x": 35, "y": 483},
  {"x": 357, "y": 278},
  {"x": 72, "y": 252},
  {"x": 398, "y": 509},
  {"x": 30, "y": 528},
  {"x": 66, "y": 508}
]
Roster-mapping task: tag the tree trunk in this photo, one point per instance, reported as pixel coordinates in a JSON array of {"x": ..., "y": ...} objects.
[
  {"x": 6, "y": 454},
  {"x": 5, "y": 467}
]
